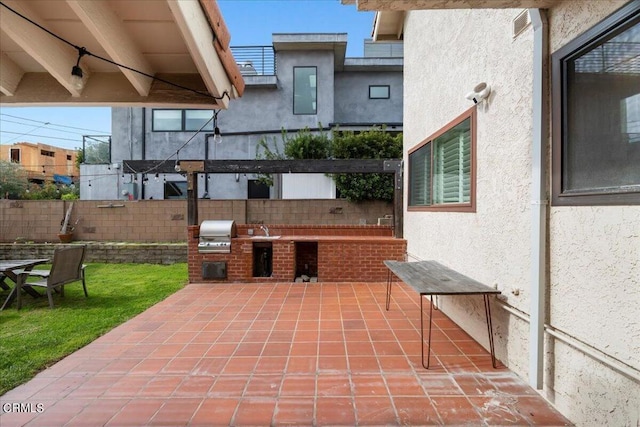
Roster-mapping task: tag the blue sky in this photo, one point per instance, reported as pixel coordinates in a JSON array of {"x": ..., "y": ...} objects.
[{"x": 250, "y": 22}]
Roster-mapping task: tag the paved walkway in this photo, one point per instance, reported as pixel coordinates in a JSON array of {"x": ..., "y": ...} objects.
[{"x": 279, "y": 354}]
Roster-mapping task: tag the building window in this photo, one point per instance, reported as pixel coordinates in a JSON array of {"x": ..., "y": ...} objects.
[
  {"x": 182, "y": 120},
  {"x": 195, "y": 120},
  {"x": 175, "y": 190},
  {"x": 379, "y": 92},
  {"x": 257, "y": 189},
  {"x": 15, "y": 155},
  {"x": 47, "y": 153},
  {"x": 442, "y": 168},
  {"x": 596, "y": 114},
  {"x": 305, "y": 90},
  {"x": 167, "y": 120}
]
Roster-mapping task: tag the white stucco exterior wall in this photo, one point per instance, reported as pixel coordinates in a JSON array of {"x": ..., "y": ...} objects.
[
  {"x": 490, "y": 245},
  {"x": 594, "y": 252}
]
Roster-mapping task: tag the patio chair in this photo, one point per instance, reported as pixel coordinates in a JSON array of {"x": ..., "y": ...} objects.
[{"x": 67, "y": 267}]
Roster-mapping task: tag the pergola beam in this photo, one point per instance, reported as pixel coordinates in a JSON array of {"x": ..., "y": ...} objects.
[{"x": 268, "y": 166}]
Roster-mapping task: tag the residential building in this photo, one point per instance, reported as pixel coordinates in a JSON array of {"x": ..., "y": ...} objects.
[
  {"x": 301, "y": 81},
  {"x": 43, "y": 163},
  {"x": 536, "y": 188}
]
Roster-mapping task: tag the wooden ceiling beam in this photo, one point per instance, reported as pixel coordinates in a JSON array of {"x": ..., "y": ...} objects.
[
  {"x": 54, "y": 55},
  {"x": 10, "y": 75},
  {"x": 109, "y": 31}
]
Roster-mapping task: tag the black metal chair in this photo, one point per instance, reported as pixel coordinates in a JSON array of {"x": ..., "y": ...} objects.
[{"x": 67, "y": 267}]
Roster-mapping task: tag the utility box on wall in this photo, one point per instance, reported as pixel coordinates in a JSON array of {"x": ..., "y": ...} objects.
[{"x": 130, "y": 191}]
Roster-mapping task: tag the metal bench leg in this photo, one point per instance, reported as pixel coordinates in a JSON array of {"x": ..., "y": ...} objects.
[
  {"x": 487, "y": 311},
  {"x": 422, "y": 331},
  {"x": 388, "y": 289}
]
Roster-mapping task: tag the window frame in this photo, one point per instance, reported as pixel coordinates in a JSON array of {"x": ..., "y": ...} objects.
[
  {"x": 183, "y": 120},
  {"x": 468, "y": 207},
  {"x": 315, "y": 113},
  {"x": 178, "y": 184},
  {"x": 388, "y": 87},
  {"x": 625, "y": 17}
]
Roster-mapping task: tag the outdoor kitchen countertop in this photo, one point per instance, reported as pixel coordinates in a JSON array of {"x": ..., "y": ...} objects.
[{"x": 314, "y": 238}]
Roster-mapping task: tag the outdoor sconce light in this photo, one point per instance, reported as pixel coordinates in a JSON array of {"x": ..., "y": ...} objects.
[{"x": 479, "y": 93}]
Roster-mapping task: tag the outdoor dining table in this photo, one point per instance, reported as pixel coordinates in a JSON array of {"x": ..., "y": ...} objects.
[{"x": 14, "y": 270}]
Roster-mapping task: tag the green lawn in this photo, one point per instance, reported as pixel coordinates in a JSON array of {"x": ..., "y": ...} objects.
[{"x": 35, "y": 337}]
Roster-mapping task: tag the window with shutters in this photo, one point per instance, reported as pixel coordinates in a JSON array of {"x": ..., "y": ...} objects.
[{"x": 442, "y": 168}]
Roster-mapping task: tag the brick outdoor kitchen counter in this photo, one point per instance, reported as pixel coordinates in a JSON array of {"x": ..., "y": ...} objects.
[{"x": 332, "y": 254}]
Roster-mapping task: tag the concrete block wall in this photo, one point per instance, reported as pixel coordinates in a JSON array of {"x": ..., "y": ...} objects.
[
  {"x": 150, "y": 221},
  {"x": 137, "y": 253}
]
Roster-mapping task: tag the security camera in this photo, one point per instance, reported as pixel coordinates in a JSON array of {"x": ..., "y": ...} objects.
[{"x": 479, "y": 93}]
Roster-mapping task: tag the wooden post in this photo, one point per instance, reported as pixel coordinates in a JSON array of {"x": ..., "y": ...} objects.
[
  {"x": 192, "y": 168},
  {"x": 398, "y": 205},
  {"x": 398, "y": 201},
  {"x": 192, "y": 198}
]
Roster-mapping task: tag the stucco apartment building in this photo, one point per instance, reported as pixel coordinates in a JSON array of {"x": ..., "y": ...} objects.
[
  {"x": 301, "y": 81},
  {"x": 534, "y": 189}
]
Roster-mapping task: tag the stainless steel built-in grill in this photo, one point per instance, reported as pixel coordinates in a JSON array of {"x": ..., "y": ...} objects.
[{"x": 215, "y": 236}]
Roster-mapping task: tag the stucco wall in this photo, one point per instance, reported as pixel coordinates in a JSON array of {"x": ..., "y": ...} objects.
[
  {"x": 595, "y": 280},
  {"x": 491, "y": 244},
  {"x": 594, "y": 264},
  {"x": 352, "y": 103}
]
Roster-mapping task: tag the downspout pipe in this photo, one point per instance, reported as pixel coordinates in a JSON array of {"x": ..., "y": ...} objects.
[
  {"x": 539, "y": 199},
  {"x": 143, "y": 149}
]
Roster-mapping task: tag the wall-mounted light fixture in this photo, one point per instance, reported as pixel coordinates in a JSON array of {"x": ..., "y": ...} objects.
[{"x": 479, "y": 93}]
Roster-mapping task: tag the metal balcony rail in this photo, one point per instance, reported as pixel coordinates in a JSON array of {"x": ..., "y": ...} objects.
[{"x": 255, "y": 60}]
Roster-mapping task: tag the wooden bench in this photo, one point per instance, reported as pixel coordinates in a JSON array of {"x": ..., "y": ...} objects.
[{"x": 429, "y": 278}]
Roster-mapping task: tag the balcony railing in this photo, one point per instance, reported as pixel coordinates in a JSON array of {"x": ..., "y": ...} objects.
[{"x": 255, "y": 60}]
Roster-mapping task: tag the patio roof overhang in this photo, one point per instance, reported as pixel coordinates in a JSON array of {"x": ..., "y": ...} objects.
[
  {"x": 403, "y": 5},
  {"x": 389, "y": 19},
  {"x": 140, "y": 52}
]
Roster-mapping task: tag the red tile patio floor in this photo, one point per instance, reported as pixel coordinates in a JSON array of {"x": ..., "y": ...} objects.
[{"x": 279, "y": 354}]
